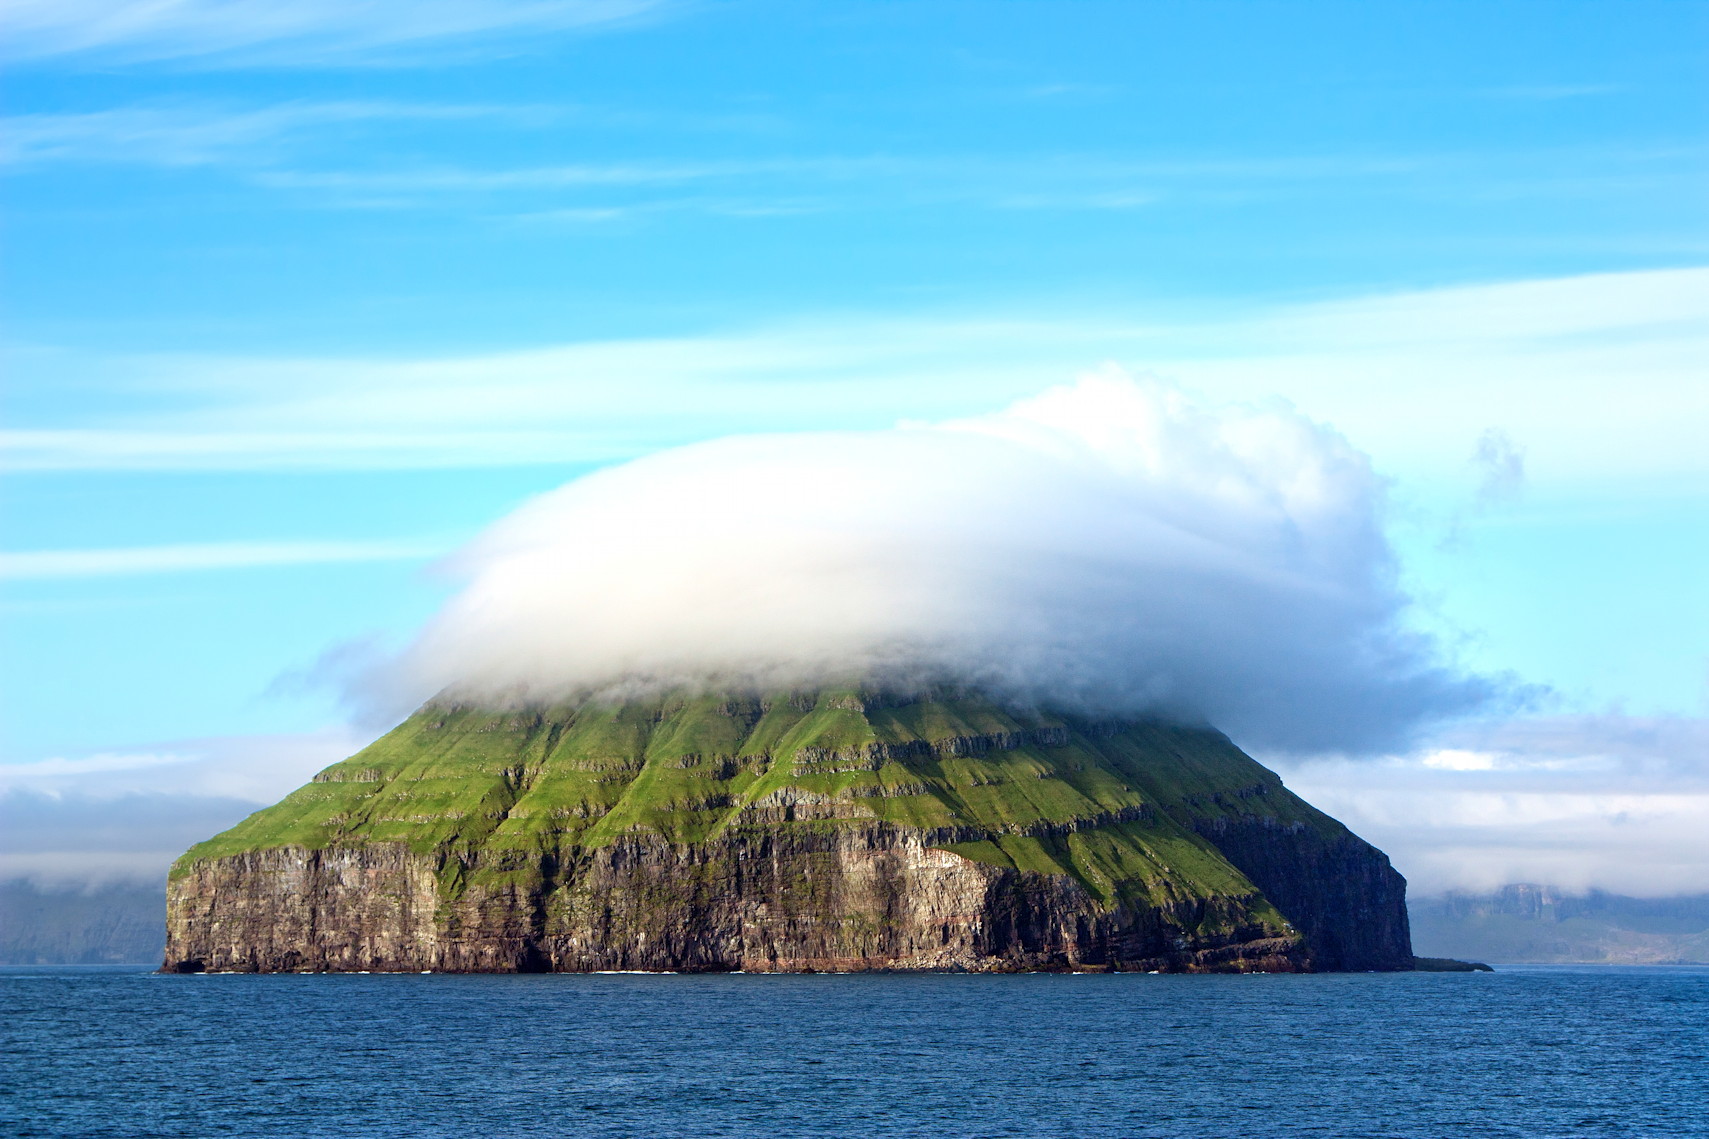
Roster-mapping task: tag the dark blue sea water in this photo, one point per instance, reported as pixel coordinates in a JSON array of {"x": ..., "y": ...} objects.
[{"x": 1525, "y": 1052}]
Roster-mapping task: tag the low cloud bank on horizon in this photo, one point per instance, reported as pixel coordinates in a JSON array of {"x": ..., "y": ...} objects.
[
  {"x": 1607, "y": 802},
  {"x": 1107, "y": 546}
]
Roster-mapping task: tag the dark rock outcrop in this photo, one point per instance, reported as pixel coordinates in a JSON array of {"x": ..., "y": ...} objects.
[
  {"x": 1341, "y": 893},
  {"x": 841, "y": 900}
]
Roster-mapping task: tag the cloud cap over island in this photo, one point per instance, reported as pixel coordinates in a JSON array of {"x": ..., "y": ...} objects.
[{"x": 1108, "y": 545}]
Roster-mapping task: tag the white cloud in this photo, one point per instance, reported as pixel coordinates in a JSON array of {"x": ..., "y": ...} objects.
[
  {"x": 1458, "y": 759},
  {"x": 1640, "y": 844},
  {"x": 302, "y": 32},
  {"x": 255, "y": 769},
  {"x": 1617, "y": 803},
  {"x": 127, "y": 815},
  {"x": 187, "y": 134},
  {"x": 1490, "y": 315},
  {"x": 1108, "y": 545},
  {"x": 1601, "y": 377},
  {"x": 271, "y": 148},
  {"x": 36, "y": 564},
  {"x": 59, "y": 869},
  {"x": 577, "y": 176},
  {"x": 1501, "y": 466},
  {"x": 58, "y": 769}
]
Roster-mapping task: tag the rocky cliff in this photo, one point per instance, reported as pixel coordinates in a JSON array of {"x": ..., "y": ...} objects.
[{"x": 835, "y": 830}]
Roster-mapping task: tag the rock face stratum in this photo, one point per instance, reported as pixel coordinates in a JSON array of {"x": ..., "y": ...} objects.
[{"x": 833, "y": 831}]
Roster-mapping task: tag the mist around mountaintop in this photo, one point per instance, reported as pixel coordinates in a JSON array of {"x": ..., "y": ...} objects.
[{"x": 1107, "y": 546}]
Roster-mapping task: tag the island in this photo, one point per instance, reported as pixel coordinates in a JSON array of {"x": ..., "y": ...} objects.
[{"x": 843, "y": 829}]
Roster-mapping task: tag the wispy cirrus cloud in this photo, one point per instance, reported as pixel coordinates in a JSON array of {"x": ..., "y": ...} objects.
[
  {"x": 1067, "y": 180},
  {"x": 1004, "y": 181},
  {"x": 1593, "y": 377},
  {"x": 192, "y": 134},
  {"x": 314, "y": 154},
  {"x": 304, "y": 33},
  {"x": 264, "y": 137},
  {"x": 456, "y": 180},
  {"x": 258, "y": 768},
  {"x": 729, "y": 206},
  {"x": 130, "y": 560}
]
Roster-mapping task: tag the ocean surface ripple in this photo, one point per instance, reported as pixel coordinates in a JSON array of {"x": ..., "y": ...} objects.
[{"x": 1528, "y": 1052}]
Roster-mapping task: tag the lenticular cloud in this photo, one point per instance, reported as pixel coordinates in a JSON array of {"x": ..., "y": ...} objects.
[{"x": 1108, "y": 546}]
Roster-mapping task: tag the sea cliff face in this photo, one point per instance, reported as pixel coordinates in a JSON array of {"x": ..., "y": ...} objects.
[{"x": 824, "y": 831}]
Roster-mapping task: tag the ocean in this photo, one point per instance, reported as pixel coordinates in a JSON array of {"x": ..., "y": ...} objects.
[{"x": 1528, "y": 1052}]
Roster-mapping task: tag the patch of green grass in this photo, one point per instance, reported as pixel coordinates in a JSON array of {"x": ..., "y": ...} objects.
[{"x": 496, "y": 795}]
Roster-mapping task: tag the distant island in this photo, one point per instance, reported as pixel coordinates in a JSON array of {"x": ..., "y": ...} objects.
[
  {"x": 833, "y": 830},
  {"x": 1548, "y": 925},
  {"x": 109, "y": 923}
]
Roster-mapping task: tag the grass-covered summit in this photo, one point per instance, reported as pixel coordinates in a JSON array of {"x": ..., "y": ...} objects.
[{"x": 676, "y": 806}]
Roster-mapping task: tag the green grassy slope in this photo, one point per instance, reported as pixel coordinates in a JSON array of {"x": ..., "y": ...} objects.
[{"x": 501, "y": 792}]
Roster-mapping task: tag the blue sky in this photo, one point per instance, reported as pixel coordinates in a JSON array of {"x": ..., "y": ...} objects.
[{"x": 300, "y": 298}]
